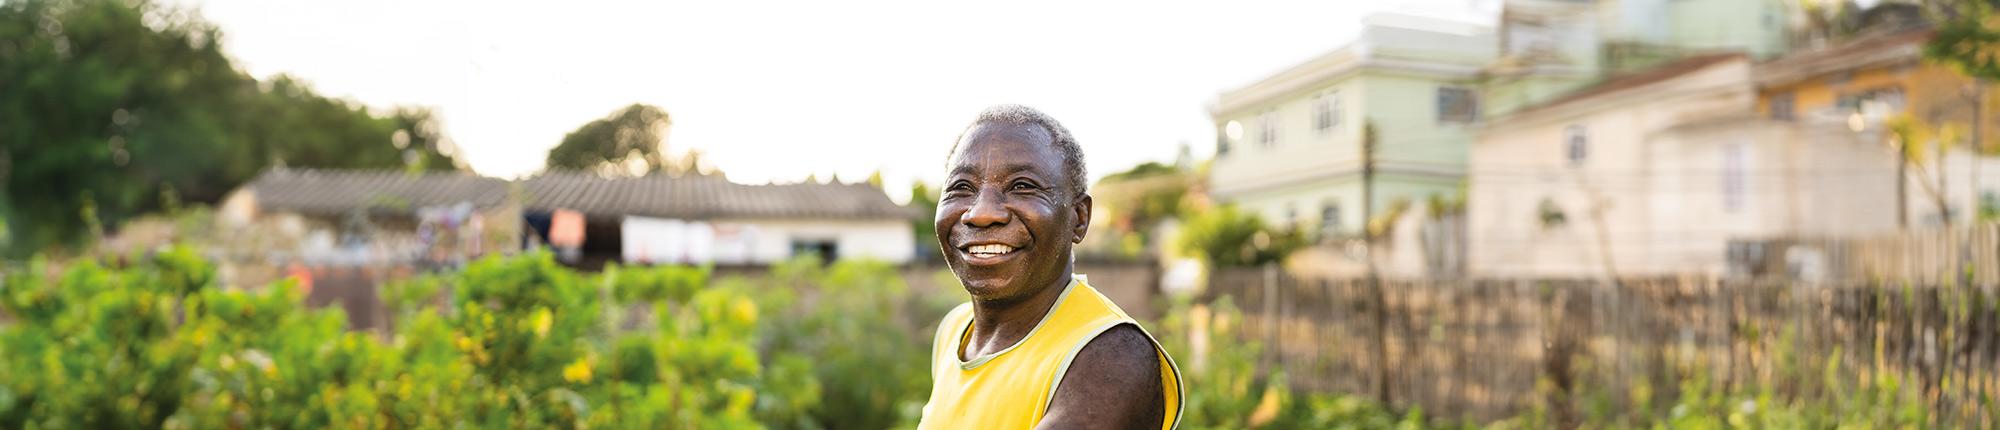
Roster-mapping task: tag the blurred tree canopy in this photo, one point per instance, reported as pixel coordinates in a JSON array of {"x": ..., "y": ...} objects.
[
  {"x": 1968, "y": 37},
  {"x": 1227, "y": 237},
  {"x": 1135, "y": 201},
  {"x": 116, "y": 106},
  {"x": 631, "y": 141}
]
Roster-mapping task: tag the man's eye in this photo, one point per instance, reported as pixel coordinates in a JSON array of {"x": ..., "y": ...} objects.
[{"x": 1022, "y": 186}]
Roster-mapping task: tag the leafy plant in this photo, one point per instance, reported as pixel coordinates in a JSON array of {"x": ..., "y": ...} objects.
[{"x": 1226, "y": 237}]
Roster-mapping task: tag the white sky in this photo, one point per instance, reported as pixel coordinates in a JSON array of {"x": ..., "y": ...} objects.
[{"x": 775, "y": 91}]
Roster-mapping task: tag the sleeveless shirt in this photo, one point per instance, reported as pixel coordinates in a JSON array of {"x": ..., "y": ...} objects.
[{"x": 1011, "y": 389}]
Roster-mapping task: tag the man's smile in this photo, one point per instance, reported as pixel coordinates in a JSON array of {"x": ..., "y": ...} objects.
[{"x": 986, "y": 254}]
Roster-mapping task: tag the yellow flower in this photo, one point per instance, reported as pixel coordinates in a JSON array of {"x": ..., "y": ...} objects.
[
  {"x": 543, "y": 319},
  {"x": 744, "y": 311},
  {"x": 578, "y": 371}
]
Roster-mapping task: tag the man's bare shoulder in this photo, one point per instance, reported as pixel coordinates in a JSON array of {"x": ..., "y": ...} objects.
[{"x": 1114, "y": 382}]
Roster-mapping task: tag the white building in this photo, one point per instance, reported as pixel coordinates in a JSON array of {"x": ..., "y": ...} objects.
[
  {"x": 1291, "y": 147},
  {"x": 388, "y": 216},
  {"x": 706, "y": 219},
  {"x": 1666, "y": 172}
]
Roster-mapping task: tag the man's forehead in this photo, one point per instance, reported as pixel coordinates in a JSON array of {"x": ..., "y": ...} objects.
[
  {"x": 1007, "y": 144},
  {"x": 1016, "y": 134}
]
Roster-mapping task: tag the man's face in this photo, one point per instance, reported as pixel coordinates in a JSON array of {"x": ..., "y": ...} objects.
[{"x": 1006, "y": 219}]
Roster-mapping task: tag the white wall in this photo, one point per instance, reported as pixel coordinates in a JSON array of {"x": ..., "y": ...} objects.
[
  {"x": 887, "y": 240},
  {"x": 1667, "y": 186},
  {"x": 1521, "y": 160},
  {"x": 738, "y": 241}
]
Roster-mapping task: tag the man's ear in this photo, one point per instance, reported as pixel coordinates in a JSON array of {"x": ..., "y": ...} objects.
[{"x": 1082, "y": 208}]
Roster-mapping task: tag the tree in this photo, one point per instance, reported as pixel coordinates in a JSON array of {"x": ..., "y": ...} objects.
[
  {"x": 1828, "y": 19},
  {"x": 1968, "y": 37},
  {"x": 109, "y": 103},
  {"x": 1137, "y": 200},
  {"x": 1226, "y": 237},
  {"x": 923, "y": 209},
  {"x": 631, "y": 141}
]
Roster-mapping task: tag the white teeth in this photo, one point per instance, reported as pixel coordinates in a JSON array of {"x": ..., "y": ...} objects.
[{"x": 990, "y": 249}]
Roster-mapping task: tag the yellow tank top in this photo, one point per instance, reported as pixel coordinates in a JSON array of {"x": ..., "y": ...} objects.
[{"x": 1011, "y": 389}]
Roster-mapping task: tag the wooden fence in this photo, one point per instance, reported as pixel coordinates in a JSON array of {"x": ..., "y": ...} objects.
[
  {"x": 1957, "y": 255},
  {"x": 1484, "y": 350}
]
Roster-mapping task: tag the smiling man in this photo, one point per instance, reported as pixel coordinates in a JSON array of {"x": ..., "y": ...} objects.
[{"x": 1037, "y": 347}]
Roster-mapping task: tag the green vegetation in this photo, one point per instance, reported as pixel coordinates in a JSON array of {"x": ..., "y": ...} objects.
[
  {"x": 109, "y": 105},
  {"x": 1226, "y": 391},
  {"x": 1134, "y": 202},
  {"x": 923, "y": 220},
  {"x": 1227, "y": 237},
  {"x": 509, "y": 342},
  {"x": 1967, "y": 35},
  {"x": 522, "y": 342},
  {"x": 628, "y": 142}
]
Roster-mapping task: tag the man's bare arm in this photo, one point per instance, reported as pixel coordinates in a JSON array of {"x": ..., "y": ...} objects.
[{"x": 1114, "y": 383}]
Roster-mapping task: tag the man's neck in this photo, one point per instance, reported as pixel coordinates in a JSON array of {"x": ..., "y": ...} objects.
[{"x": 998, "y": 324}]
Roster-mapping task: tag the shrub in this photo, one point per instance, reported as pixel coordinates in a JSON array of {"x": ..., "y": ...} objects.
[{"x": 514, "y": 342}]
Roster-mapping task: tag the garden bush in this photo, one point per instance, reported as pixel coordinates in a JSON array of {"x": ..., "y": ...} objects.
[{"x": 507, "y": 342}]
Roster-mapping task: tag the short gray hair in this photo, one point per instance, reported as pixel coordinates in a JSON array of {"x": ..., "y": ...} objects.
[{"x": 1013, "y": 114}]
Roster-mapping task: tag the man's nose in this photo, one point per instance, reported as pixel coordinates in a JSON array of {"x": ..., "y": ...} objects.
[{"x": 986, "y": 211}]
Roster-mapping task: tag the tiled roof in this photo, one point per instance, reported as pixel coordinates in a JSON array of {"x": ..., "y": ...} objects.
[
  {"x": 704, "y": 197},
  {"x": 333, "y": 192},
  {"x": 1642, "y": 78},
  {"x": 1860, "y": 52}
]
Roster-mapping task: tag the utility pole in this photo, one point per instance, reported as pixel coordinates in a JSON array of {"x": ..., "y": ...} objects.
[
  {"x": 1976, "y": 204},
  {"x": 1902, "y": 185},
  {"x": 1978, "y": 143},
  {"x": 1369, "y": 141}
]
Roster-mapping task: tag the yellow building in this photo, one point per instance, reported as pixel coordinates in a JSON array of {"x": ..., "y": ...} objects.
[
  {"x": 1871, "y": 79},
  {"x": 1875, "y": 77}
]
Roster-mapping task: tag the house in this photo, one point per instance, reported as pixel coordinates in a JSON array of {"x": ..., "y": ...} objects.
[
  {"x": 391, "y": 217},
  {"x": 1872, "y": 80},
  {"x": 1551, "y": 47},
  {"x": 341, "y": 232},
  {"x": 1290, "y": 147},
  {"x": 364, "y": 217},
  {"x": 1660, "y": 172},
  {"x": 707, "y": 219}
]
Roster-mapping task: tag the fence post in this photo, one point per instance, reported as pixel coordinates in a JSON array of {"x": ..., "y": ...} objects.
[
  {"x": 1270, "y": 314},
  {"x": 1381, "y": 310}
]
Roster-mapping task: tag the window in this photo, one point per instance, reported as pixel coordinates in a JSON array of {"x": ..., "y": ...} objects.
[
  {"x": 1267, "y": 128},
  {"x": 1326, "y": 112},
  {"x": 1874, "y": 102},
  {"x": 1782, "y": 106},
  {"x": 1329, "y": 219},
  {"x": 827, "y": 250},
  {"x": 1735, "y": 159},
  {"x": 1457, "y": 105},
  {"x": 1577, "y": 140}
]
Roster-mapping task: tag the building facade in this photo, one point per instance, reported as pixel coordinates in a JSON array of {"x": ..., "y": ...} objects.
[
  {"x": 1552, "y": 47},
  {"x": 1878, "y": 80},
  {"x": 1668, "y": 172},
  {"x": 1291, "y": 147},
  {"x": 350, "y": 217}
]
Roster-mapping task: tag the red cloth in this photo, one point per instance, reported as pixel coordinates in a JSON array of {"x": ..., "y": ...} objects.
[{"x": 566, "y": 229}]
